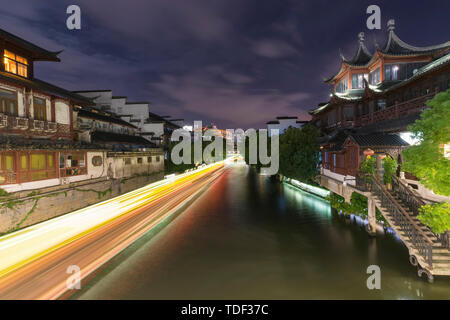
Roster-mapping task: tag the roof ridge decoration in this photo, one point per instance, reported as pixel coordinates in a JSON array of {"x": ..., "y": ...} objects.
[
  {"x": 362, "y": 55},
  {"x": 396, "y": 46}
]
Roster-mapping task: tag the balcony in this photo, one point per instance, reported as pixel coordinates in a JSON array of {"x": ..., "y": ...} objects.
[
  {"x": 51, "y": 127},
  {"x": 37, "y": 125},
  {"x": 3, "y": 121},
  {"x": 19, "y": 123},
  {"x": 396, "y": 111}
]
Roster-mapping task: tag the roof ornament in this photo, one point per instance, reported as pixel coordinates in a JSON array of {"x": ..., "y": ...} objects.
[
  {"x": 391, "y": 25},
  {"x": 361, "y": 37},
  {"x": 342, "y": 55},
  {"x": 375, "y": 42}
]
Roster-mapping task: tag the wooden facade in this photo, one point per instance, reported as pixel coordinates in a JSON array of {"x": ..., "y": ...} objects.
[{"x": 36, "y": 118}]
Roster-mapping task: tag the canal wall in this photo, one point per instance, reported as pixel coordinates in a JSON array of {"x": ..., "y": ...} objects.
[{"x": 25, "y": 208}]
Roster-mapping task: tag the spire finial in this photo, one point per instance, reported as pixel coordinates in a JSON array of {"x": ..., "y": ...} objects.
[
  {"x": 342, "y": 55},
  {"x": 361, "y": 36},
  {"x": 391, "y": 25}
]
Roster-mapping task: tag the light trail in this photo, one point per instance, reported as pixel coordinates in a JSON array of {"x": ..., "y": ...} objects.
[{"x": 50, "y": 239}]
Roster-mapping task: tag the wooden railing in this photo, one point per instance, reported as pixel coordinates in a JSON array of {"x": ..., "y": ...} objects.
[
  {"x": 420, "y": 241},
  {"x": 396, "y": 111}
]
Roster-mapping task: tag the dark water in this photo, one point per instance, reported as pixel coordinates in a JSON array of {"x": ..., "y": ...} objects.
[{"x": 250, "y": 238}]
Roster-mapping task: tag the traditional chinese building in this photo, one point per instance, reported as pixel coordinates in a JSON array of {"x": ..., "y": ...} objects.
[
  {"x": 374, "y": 98},
  {"x": 50, "y": 136},
  {"x": 36, "y": 121}
]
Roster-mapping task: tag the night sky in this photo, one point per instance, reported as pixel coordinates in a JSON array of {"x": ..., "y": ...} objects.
[{"x": 236, "y": 63}]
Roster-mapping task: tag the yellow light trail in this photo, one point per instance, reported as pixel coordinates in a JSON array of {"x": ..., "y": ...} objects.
[{"x": 26, "y": 245}]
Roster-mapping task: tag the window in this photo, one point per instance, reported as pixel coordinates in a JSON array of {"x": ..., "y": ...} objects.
[
  {"x": 72, "y": 164},
  {"x": 342, "y": 86},
  {"x": 15, "y": 64},
  {"x": 326, "y": 156},
  {"x": 40, "y": 109},
  {"x": 7, "y": 168},
  {"x": 391, "y": 72},
  {"x": 157, "y": 159},
  {"x": 348, "y": 113},
  {"x": 358, "y": 81},
  {"x": 139, "y": 160},
  {"x": 381, "y": 104},
  {"x": 149, "y": 159},
  {"x": 374, "y": 76},
  {"x": 127, "y": 161},
  {"x": 334, "y": 159},
  {"x": 97, "y": 161},
  {"x": 8, "y": 102}
]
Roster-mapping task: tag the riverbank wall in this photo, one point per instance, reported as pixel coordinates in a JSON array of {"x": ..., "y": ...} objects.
[{"x": 25, "y": 208}]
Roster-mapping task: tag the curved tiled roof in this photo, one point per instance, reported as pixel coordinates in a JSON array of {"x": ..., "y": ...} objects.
[
  {"x": 395, "y": 46},
  {"x": 362, "y": 55}
]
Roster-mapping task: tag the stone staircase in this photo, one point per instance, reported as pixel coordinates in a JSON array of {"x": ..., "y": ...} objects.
[
  {"x": 440, "y": 253},
  {"x": 428, "y": 251}
]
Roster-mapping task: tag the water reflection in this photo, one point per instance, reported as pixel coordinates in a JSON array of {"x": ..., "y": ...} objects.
[{"x": 248, "y": 237}]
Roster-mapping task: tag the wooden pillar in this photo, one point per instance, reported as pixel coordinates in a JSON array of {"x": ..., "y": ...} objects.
[
  {"x": 371, "y": 217},
  {"x": 378, "y": 168}
]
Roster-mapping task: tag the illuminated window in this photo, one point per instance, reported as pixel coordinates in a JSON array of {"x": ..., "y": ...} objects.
[
  {"x": 40, "y": 109},
  {"x": 342, "y": 86},
  {"x": 374, "y": 76},
  {"x": 8, "y": 102},
  {"x": 358, "y": 81},
  {"x": 72, "y": 164},
  {"x": 15, "y": 64},
  {"x": 391, "y": 72}
]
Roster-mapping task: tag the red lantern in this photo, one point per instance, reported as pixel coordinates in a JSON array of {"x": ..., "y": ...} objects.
[{"x": 369, "y": 152}]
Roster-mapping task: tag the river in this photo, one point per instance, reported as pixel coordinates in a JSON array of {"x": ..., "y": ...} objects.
[{"x": 248, "y": 237}]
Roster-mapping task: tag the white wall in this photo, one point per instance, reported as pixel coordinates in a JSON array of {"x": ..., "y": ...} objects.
[{"x": 62, "y": 112}]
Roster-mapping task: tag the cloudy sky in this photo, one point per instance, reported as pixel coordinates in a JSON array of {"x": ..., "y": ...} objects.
[{"x": 235, "y": 63}]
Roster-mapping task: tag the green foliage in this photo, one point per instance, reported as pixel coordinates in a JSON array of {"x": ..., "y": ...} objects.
[
  {"x": 436, "y": 216},
  {"x": 390, "y": 166},
  {"x": 426, "y": 161},
  {"x": 299, "y": 153},
  {"x": 4, "y": 193},
  {"x": 368, "y": 167},
  {"x": 357, "y": 205}
]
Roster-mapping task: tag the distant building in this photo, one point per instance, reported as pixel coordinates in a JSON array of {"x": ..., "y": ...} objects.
[
  {"x": 282, "y": 123},
  {"x": 149, "y": 125}
]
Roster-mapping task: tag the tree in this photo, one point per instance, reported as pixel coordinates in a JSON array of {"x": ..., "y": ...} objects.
[
  {"x": 368, "y": 167},
  {"x": 426, "y": 160},
  {"x": 436, "y": 216},
  {"x": 299, "y": 153}
]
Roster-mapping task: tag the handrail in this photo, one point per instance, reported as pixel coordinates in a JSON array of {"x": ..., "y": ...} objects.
[
  {"x": 420, "y": 201},
  {"x": 402, "y": 210}
]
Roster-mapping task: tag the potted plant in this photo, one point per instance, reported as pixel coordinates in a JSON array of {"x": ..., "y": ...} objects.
[
  {"x": 390, "y": 166},
  {"x": 368, "y": 168}
]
